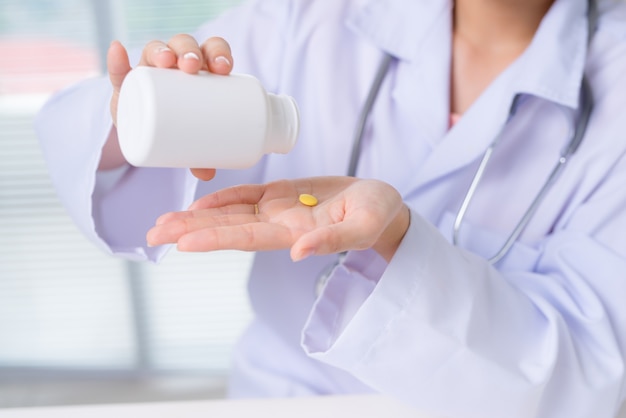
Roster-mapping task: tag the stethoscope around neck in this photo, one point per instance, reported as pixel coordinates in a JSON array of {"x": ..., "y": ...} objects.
[{"x": 580, "y": 128}]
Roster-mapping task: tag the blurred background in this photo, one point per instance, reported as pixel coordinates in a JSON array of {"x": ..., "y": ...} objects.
[{"x": 78, "y": 326}]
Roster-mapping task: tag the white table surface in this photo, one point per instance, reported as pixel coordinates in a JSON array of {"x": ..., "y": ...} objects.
[{"x": 362, "y": 406}]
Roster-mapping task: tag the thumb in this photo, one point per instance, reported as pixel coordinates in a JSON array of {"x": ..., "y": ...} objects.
[
  {"x": 204, "y": 174},
  {"x": 118, "y": 66},
  {"x": 336, "y": 238}
]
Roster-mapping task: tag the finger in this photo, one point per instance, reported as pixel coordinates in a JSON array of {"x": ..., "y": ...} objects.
[
  {"x": 353, "y": 234},
  {"x": 218, "y": 55},
  {"x": 167, "y": 233},
  {"x": 186, "y": 48},
  {"x": 259, "y": 236},
  {"x": 172, "y": 217},
  {"x": 204, "y": 174},
  {"x": 207, "y": 213},
  {"x": 244, "y": 194},
  {"x": 118, "y": 66},
  {"x": 172, "y": 230},
  {"x": 158, "y": 54}
]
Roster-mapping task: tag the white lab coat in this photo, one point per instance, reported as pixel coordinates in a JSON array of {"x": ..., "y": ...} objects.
[{"x": 541, "y": 334}]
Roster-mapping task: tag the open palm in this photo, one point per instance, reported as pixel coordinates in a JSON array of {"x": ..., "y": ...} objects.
[{"x": 351, "y": 214}]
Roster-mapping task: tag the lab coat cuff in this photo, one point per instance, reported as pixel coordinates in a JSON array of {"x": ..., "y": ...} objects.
[
  {"x": 71, "y": 146},
  {"x": 106, "y": 180},
  {"x": 359, "y": 301},
  {"x": 124, "y": 215}
]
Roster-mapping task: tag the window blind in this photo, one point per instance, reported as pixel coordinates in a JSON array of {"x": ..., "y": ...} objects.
[{"x": 64, "y": 305}]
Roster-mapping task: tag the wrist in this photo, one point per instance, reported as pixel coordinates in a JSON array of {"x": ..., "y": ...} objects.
[
  {"x": 112, "y": 156},
  {"x": 392, "y": 236}
]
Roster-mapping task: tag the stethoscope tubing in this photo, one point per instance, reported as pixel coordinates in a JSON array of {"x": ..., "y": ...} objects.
[
  {"x": 572, "y": 146},
  {"x": 580, "y": 129},
  {"x": 366, "y": 110}
]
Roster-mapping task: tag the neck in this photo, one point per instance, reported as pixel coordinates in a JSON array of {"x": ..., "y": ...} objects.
[
  {"x": 488, "y": 36},
  {"x": 499, "y": 24}
]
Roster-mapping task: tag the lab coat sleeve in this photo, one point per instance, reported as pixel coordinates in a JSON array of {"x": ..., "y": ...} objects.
[
  {"x": 74, "y": 124},
  {"x": 72, "y": 128},
  {"x": 443, "y": 330}
]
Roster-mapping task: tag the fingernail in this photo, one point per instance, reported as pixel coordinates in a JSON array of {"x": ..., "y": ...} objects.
[
  {"x": 304, "y": 254},
  {"x": 222, "y": 60},
  {"x": 160, "y": 49},
  {"x": 191, "y": 56}
]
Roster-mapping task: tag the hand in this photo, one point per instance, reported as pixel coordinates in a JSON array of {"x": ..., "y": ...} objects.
[
  {"x": 352, "y": 214},
  {"x": 181, "y": 51}
]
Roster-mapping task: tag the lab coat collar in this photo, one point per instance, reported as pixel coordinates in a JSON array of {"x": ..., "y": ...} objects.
[
  {"x": 398, "y": 27},
  {"x": 551, "y": 67}
]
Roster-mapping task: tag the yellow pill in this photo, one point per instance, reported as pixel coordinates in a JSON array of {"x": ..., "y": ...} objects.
[{"x": 307, "y": 199}]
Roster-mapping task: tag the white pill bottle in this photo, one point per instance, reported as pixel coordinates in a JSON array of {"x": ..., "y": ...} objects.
[{"x": 168, "y": 118}]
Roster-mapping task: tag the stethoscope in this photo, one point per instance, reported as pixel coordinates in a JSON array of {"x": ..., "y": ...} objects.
[{"x": 580, "y": 127}]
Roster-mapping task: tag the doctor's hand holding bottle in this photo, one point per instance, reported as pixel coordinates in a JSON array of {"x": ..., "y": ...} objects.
[{"x": 181, "y": 51}]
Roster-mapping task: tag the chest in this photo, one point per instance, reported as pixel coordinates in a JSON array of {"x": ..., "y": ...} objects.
[{"x": 407, "y": 140}]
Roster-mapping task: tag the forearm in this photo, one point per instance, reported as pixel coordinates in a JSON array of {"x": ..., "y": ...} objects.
[
  {"x": 112, "y": 156},
  {"x": 391, "y": 238}
]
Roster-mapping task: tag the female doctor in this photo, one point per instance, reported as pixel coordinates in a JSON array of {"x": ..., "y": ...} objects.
[{"x": 453, "y": 291}]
